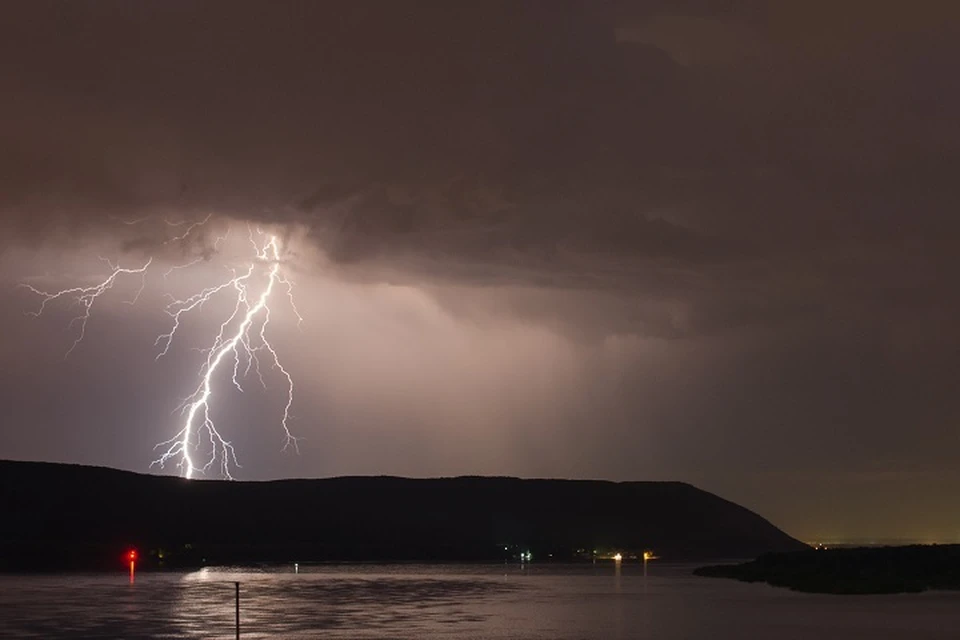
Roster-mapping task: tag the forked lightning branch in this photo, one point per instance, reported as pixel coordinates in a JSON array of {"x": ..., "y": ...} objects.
[{"x": 240, "y": 348}]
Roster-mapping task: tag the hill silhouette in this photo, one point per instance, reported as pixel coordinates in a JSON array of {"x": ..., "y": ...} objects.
[{"x": 57, "y": 516}]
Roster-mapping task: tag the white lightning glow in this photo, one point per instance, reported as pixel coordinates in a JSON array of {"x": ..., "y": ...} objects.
[
  {"x": 197, "y": 406},
  {"x": 241, "y": 339},
  {"x": 86, "y": 297}
]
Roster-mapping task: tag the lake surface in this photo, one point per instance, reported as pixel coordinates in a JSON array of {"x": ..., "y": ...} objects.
[{"x": 454, "y": 601}]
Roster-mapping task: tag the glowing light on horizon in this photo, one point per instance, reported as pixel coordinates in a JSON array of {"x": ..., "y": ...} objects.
[
  {"x": 647, "y": 556},
  {"x": 242, "y": 339},
  {"x": 132, "y": 557}
]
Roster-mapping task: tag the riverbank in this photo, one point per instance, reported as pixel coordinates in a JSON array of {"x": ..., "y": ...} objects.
[{"x": 864, "y": 570}]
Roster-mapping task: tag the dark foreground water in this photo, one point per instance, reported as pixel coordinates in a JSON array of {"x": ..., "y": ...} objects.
[{"x": 491, "y": 602}]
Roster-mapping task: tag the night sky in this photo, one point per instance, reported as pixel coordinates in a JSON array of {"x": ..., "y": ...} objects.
[{"x": 690, "y": 240}]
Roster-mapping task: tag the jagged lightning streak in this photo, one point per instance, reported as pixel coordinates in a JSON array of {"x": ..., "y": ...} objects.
[
  {"x": 86, "y": 297},
  {"x": 196, "y": 407},
  {"x": 243, "y": 334}
]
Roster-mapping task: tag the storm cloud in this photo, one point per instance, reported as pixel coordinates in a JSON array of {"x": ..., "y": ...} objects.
[{"x": 707, "y": 241}]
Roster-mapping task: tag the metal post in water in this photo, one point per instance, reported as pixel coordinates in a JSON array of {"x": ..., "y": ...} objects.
[{"x": 237, "y": 585}]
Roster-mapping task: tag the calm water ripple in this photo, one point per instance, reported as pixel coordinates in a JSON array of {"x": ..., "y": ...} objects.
[{"x": 537, "y": 602}]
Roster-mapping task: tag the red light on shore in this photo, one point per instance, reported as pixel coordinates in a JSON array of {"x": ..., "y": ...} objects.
[{"x": 132, "y": 558}]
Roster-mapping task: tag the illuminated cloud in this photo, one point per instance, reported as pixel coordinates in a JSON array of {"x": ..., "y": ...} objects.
[{"x": 632, "y": 240}]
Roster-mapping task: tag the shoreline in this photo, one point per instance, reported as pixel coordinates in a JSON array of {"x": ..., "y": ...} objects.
[{"x": 851, "y": 571}]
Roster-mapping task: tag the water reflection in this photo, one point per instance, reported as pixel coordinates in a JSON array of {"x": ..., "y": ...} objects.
[
  {"x": 285, "y": 605},
  {"x": 494, "y": 602}
]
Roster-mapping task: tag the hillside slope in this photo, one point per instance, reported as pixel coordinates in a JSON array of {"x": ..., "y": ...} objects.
[{"x": 69, "y": 516}]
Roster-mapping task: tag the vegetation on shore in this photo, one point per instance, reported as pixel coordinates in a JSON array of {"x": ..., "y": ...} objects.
[{"x": 862, "y": 570}]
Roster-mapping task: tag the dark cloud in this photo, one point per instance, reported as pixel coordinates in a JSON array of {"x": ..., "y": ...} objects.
[{"x": 764, "y": 191}]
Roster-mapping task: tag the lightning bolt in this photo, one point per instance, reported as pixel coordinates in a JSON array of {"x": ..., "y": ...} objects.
[
  {"x": 190, "y": 228},
  {"x": 237, "y": 343},
  {"x": 86, "y": 297},
  {"x": 241, "y": 339}
]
